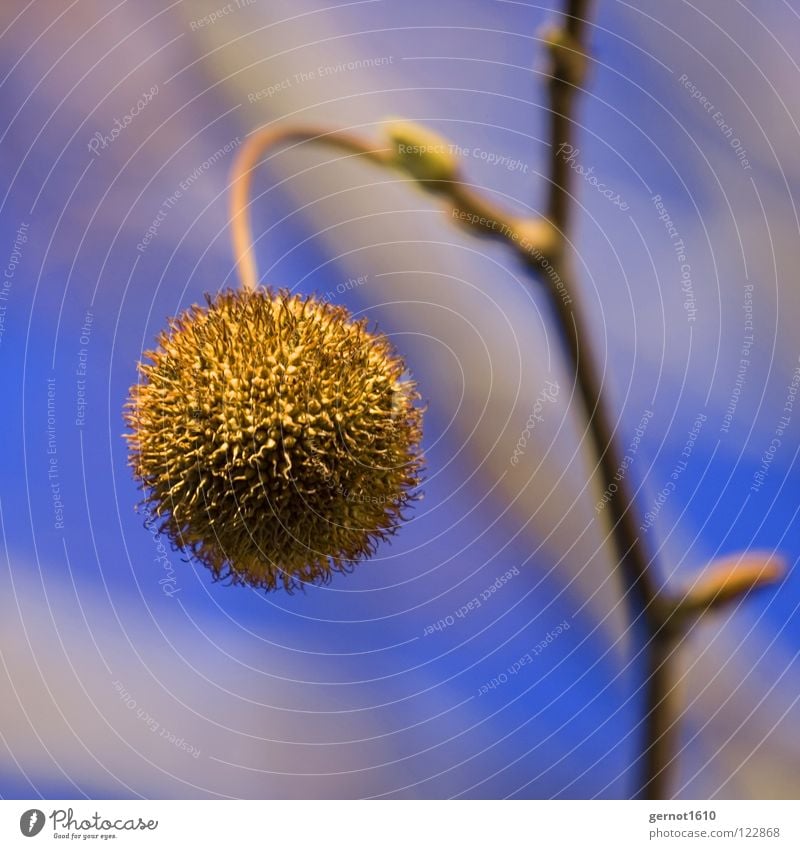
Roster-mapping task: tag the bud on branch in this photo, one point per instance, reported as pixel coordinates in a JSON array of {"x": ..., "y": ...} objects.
[
  {"x": 425, "y": 155},
  {"x": 728, "y": 580}
]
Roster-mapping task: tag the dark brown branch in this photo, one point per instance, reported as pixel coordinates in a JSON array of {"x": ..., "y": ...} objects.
[
  {"x": 568, "y": 67},
  {"x": 649, "y": 611}
]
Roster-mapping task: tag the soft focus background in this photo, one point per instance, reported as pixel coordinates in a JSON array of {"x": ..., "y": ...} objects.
[{"x": 125, "y": 672}]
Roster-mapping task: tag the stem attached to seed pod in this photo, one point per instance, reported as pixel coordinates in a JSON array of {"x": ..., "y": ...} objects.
[
  {"x": 248, "y": 158},
  {"x": 470, "y": 209}
]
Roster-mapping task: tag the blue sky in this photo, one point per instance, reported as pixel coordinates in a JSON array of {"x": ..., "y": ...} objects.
[{"x": 337, "y": 691}]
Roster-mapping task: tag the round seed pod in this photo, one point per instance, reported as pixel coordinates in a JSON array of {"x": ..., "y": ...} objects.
[{"x": 276, "y": 438}]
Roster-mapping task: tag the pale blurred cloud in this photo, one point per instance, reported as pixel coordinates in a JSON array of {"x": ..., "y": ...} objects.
[{"x": 108, "y": 697}]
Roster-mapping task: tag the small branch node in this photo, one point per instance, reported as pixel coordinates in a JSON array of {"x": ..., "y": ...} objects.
[
  {"x": 426, "y": 156},
  {"x": 728, "y": 581},
  {"x": 568, "y": 58}
]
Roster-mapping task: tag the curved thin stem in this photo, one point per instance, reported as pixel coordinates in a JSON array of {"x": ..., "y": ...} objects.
[{"x": 248, "y": 158}]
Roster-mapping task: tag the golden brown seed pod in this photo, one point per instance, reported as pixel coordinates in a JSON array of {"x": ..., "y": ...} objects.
[{"x": 275, "y": 437}]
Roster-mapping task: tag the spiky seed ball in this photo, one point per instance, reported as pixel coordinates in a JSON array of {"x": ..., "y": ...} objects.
[{"x": 275, "y": 437}]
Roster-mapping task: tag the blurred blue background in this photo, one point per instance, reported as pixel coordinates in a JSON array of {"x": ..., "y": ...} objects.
[{"x": 126, "y": 672}]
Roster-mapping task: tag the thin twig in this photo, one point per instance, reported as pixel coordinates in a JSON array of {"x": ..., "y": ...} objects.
[
  {"x": 569, "y": 51},
  {"x": 660, "y": 621}
]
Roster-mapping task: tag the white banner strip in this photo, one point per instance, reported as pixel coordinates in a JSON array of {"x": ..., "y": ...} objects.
[{"x": 403, "y": 824}]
